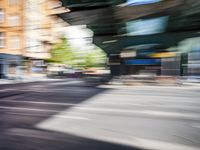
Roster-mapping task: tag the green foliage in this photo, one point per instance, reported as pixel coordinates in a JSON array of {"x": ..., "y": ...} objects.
[
  {"x": 89, "y": 60},
  {"x": 95, "y": 59},
  {"x": 62, "y": 53}
]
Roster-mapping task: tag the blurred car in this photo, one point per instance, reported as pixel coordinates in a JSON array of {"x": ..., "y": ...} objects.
[{"x": 59, "y": 70}]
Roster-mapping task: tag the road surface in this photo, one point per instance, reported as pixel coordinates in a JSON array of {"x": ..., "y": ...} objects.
[{"x": 76, "y": 115}]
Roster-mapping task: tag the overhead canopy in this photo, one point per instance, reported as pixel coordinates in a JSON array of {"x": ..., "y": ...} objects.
[
  {"x": 116, "y": 44},
  {"x": 90, "y": 4},
  {"x": 113, "y": 20}
]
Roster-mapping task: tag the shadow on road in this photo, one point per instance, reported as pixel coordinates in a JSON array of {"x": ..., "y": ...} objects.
[
  {"x": 37, "y": 102},
  {"x": 45, "y": 140}
]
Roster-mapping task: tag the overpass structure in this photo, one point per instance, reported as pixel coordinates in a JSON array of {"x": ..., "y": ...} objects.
[{"x": 123, "y": 25}]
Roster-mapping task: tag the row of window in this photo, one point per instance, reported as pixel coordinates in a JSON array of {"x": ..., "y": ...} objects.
[
  {"x": 13, "y": 2},
  {"x": 13, "y": 41},
  {"x": 2, "y": 15},
  {"x": 13, "y": 19}
]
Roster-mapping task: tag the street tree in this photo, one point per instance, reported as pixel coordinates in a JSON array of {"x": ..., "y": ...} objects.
[{"x": 62, "y": 52}]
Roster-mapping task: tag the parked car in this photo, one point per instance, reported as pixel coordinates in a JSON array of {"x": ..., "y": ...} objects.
[{"x": 59, "y": 70}]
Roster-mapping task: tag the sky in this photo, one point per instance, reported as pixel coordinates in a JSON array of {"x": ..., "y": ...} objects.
[{"x": 79, "y": 36}]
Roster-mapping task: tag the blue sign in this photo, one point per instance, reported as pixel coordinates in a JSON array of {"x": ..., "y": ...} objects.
[
  {"x": 140, "y": 2},
  {"x": 142, "y": 61}
]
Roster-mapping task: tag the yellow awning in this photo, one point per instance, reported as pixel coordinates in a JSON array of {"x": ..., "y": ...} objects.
[{"x": 163, "y": 55}]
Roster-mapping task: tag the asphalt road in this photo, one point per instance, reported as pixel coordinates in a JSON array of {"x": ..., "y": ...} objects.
[{"x": 74, "y": 115}]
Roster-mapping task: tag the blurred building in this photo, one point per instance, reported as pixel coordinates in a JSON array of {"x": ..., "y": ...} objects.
[
  {"x": 28, "y": 28},
  {"x": 11, "y": 35},
  {"x": 42, "y": 29}
]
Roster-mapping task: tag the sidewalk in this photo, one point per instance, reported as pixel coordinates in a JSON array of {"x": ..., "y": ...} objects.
[
  {"x": 27, "y": 79},
  {"x": 153, "y": 81},
  {"x": 191, "y": 81}
]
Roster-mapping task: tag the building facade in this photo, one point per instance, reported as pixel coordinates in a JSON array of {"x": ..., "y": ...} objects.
[
  {"x": 28, "y": 28},
  {"x": 11, "y": 35}
]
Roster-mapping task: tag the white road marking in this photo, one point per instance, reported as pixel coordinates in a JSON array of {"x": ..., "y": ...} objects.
[
  {"x": 72, "y": 117},
  {"x": 26, "y": 114},
  {"x": 197, "y": 125},
  {"x": 8, "y": 89},
  {"x": 143, "y": 105},
  {"x": 56, "y": 116},
  {"x": 143, "y": 112},
  {"x": 28, "y": 109},
  {"x": 43, "y": 103},
  {"x": 92, "y": 108},
  {"x": 148, "y": 104},
  {"x": 68, "y": 82},
  {"x": 43, "y": 110}
]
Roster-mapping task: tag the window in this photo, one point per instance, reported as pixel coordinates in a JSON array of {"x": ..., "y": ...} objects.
[
  {"x": 13, "y": 2},
  {"x": 2, "y": 37},
  {"x": 2, "y": 15},
  {"x": 147, "y": 26},
  {"x": 13, "y": 20},
  {"x": 14, "y": 42}
]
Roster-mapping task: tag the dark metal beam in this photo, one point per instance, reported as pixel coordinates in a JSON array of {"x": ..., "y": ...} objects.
[
  {"x": 116, "y": 44},
  {"x": 118, "y": 14}
]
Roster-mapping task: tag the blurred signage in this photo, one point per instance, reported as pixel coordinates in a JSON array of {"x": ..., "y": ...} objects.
[
  {"x": 128, "y": 54},
  {"x": 163, "y": 55},
  {"x": 142, "y": 61}
]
